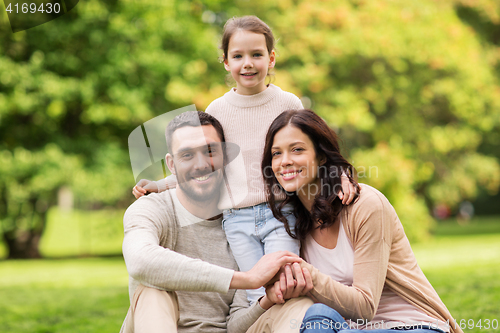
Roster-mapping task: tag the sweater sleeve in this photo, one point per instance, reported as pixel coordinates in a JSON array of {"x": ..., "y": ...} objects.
[
  {"x": 370, "y": 222},
  {"x": 241, "y": 316},
  {"x": 166, "y": 183},
  {"x": 146, "y": 224}
]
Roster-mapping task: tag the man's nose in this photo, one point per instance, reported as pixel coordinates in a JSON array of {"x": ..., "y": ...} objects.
[{"x": 203, "y": 161}]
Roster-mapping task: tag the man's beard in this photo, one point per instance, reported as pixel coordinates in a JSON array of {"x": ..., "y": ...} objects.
[{"x": 197, "y": 193}]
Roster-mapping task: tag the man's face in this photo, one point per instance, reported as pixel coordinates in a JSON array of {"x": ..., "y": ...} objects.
[{"x": 197, "y": 161}]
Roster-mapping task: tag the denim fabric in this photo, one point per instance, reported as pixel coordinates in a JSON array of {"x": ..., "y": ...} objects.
[
  {"x": 253, "y": 232},
  {"x": 322, "y": 318}
]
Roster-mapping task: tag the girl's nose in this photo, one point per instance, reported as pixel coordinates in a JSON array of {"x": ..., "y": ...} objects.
[{"x": 248, "y": 62}]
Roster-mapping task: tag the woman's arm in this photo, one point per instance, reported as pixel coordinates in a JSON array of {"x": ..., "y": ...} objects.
[{"x": 369, "y": 222}]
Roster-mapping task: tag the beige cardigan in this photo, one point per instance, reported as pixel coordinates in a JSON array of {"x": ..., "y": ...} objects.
[{"x": 382, "y": 255}]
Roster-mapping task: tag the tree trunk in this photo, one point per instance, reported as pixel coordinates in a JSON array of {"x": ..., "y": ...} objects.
[{"x": 23, "y": 244}]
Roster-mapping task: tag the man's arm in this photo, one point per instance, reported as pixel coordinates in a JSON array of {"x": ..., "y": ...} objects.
[
  {"x": 241, "y": 316},
  {"x": 146, "y": 222},
  {"x": 151, "y": 221},
  {"x": 288, "y": 286}
]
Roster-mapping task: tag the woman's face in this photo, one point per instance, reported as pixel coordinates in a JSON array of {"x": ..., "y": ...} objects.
[{"x": 294, "y": 162}]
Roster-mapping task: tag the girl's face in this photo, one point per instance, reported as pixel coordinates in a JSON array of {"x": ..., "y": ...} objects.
[
  {"x": 295, "y": 164},
  {"x": 248, "y": 61}
]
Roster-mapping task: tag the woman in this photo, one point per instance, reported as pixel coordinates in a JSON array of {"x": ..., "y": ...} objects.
[{"x": 360, "y": 260}]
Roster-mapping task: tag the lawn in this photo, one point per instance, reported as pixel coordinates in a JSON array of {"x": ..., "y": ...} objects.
[{"x": 91, "y": 295}]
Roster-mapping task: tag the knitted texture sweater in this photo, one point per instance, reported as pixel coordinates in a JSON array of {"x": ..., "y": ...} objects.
[
  {"x": 245, "y": 120},
  {"x": 166, "y": 247}
]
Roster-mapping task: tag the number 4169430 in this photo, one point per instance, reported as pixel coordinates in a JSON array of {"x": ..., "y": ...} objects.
[{"x": 32, "y": 8}]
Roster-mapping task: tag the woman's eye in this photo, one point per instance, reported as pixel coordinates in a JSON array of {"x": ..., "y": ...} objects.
[
  {"x": 274, "y": 154},
  {"x": 297, "y": 149}
]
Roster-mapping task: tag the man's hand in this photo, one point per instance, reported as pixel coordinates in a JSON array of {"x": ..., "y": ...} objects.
[
  {"x": 294, "y": 282},
  {"x": 263, "y": 271},
  {"x": 144, "y": 187}
]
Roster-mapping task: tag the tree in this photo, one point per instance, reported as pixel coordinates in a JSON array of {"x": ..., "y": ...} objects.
[
  {"x": 412, "y": 89},
  {"x": 72, "y": 90}
]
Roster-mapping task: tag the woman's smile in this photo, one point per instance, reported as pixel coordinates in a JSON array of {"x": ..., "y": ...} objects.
[{"x": 294, "y": 161}]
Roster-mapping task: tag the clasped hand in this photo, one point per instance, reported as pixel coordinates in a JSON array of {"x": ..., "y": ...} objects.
[{"x": 294, "y": 281}]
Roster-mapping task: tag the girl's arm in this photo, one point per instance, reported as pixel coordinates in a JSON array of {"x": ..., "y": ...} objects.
[
  {"x": 369, "y": 221},
  {"x": 348, "y": 190},
  {"x": 145, "y": 186}
]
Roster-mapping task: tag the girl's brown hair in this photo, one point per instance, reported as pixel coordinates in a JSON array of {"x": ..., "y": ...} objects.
[
  {"x": 327, "y": 205},
  {"x": 246, "y": 23}
]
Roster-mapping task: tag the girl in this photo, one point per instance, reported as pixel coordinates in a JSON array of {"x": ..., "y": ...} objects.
[
  {"x": 245, "y": 113},
  {"x": 360, "y": 260}
]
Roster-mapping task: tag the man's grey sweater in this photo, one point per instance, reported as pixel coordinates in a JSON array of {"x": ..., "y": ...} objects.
[{"x": 168, "y": 248}]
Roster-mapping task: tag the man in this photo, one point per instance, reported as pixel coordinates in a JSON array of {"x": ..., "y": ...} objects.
[{"x": 182, "y": 273}]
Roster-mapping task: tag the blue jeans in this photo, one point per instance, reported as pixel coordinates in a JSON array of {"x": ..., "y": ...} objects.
[
  {"x": 322, "y": 318},
  {"x": 253, "y": 232}
]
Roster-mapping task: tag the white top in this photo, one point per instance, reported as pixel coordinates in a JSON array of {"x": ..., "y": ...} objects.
[{"x": 338, "y": 263}]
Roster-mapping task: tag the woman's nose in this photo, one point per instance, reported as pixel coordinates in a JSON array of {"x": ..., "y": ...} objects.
[{"x": 286, "y": 160}]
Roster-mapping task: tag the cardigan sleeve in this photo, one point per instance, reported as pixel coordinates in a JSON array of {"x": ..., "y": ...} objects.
[{"x": 368, "y": 221}]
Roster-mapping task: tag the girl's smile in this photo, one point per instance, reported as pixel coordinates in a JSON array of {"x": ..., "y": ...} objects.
[{"x": 248, "y": 60}]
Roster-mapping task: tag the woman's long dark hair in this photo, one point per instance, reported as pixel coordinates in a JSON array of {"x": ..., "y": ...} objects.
[{"x": 327, "y": 205}]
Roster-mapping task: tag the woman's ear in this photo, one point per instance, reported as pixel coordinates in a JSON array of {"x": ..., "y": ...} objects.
[{"x": 322, "y": 160}]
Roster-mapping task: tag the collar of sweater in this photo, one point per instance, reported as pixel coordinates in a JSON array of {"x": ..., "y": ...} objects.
[{"x": 250, "y": 101}]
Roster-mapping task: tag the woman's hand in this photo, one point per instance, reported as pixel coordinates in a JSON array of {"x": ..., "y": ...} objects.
[
  {"x": 263, "y": 271},
  {"x": 294, "y": 282},
  {"x": 143, "y": 187}
]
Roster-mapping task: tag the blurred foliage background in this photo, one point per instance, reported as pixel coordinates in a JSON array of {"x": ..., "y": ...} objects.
[{"x": 412, "y": 87}]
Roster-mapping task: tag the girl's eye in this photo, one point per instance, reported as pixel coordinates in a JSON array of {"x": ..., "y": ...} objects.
[
  {"x": 257, "y": 55},
  {"x": 237, "y": 56}
]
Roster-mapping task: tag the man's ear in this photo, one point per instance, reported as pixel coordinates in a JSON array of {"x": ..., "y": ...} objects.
[{"x": 169, "y": 160}]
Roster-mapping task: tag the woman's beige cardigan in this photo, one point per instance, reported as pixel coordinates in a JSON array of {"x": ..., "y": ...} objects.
[{"x": 382, "y": 256}]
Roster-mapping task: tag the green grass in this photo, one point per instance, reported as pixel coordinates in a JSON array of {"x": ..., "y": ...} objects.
[
  {"x": 80, "y": 295},
  {"x": 91, "y": 295},
  {"x": 462, "y": 262}
]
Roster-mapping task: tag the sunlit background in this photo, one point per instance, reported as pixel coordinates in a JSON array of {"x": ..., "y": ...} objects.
[{"x": 412, "y": 87}]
